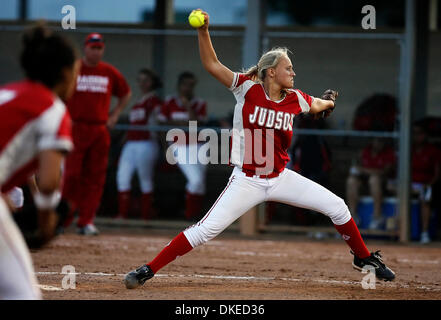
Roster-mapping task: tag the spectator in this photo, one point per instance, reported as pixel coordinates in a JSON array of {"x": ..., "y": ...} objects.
[
  {"x": 425, "y": 172},
  {"x": 375, "y": 165},
  {"x": 178, "y": 110},
  {"x": 376, "y": 111},
  {"x": 139, "y": 154}
]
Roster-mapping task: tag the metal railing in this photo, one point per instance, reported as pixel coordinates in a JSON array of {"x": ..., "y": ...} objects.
[{"x": 297, "y": 131}]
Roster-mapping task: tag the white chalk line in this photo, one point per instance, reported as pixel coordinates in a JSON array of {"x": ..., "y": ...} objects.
[
  {"x": 419, "y": 261},
  {"x": 261, "y": 254},
  {"x": 341, "y": 257},
  {"x": 49, "y": 288},
  {"x": 225, "y": 277}
]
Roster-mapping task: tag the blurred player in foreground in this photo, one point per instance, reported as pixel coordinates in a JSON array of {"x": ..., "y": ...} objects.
[
  {"x": 266, "y": 101},
  {"x": 179, "y": 110},
  {"x": 140, "y": 152},
  {"x": 35, "y": 134},
  {"x": 89, "y": 106}
]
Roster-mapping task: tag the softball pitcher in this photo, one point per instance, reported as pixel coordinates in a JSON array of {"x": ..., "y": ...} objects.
[{"x": 265, "y": 102}]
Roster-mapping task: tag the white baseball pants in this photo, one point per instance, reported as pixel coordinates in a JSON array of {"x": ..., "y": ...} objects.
[
  {"x": 193, "y": 172},
  {"x": 242, "y": 193},
  {"x": 17, "y": 278},
  {"x": 139, "y": 157}
]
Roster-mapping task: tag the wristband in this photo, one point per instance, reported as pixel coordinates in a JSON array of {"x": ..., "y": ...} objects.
[{"x": 46, "y": 202}]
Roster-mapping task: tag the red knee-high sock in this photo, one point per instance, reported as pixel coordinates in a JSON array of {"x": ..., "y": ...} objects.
[
  {"x": 270, "y": 210},
  {"x": 193, "y": 204},
  {"x": 352, "y": 236},
  {"x": 123, "y": 204},
  {"x": 70, "y": 216},
  {"x": 177, "y": 247},
  {"x": 146, "y": 206}
]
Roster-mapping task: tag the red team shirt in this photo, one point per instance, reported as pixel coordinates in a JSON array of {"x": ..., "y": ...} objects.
[
  {"x": 255, "y": 110},
  {"x": 173, "y": 110},
  {"x": 141, "y": 113},
  {"x": 93, "y": 92},
  {"x": 32, "y": 119},
  {"x": 385, "y": 157},
  {"x": 424, "y": 163}
]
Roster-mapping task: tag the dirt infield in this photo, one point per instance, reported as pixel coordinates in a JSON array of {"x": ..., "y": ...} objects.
[{"x": 231, "y": 267}]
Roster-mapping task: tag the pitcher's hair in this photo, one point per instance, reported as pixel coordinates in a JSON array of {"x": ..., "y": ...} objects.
[{"x": 269, "y": 59}]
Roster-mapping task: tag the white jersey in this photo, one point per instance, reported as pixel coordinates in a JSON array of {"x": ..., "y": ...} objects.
[{"x": 32, "y": 119}]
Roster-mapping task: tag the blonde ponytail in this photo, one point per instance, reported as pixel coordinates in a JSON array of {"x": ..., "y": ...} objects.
[
  {"x": 252, "y": 73},
  {"x": 269, "y": 59}
]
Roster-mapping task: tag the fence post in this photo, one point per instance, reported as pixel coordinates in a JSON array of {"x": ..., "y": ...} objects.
[
  {"x": 251, "y": 50},
  {"x": 407, "y": 84}
]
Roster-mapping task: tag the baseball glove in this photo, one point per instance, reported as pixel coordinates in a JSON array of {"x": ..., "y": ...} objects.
[{"x": 329, "y": 95}]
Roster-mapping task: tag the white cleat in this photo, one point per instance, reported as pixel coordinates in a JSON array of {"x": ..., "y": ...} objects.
[
  {"x": 425, "y": 239},
  {"x": 88, "y": 230}
]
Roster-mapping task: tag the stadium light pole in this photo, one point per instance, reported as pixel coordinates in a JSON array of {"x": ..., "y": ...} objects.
[{"x": 407, "y": 86}]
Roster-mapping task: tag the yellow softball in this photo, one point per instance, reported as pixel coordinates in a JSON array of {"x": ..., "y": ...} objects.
[{"x": 196, "y": 19}]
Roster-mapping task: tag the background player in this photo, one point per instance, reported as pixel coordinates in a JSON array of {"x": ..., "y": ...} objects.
[
  {"x": 179, "y": 110},
  {"x": 426, "y": 166},
  {"x": 267, "y": 102},
  {"x": 85, "y": 172},
  {"x": 140, "y": 152},
  {"x": 375, "y": 166},
  {"x": 35, "y": 134}
]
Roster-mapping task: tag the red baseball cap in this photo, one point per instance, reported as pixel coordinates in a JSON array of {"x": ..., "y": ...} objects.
[{"x": 94, "y": 39}]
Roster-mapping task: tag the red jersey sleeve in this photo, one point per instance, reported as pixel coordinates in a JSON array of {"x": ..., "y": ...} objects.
[
  {"x": 155, "y": 108},
  {"x": 436, "y": 155},
  {"x": 240, "y": 85},
  {"x": 391, "y": 157},
  {"x": 164, "y": 113},
  {"x": 365, "y": 157},
  {"x": 156, "y": 103},
  {"x": 238, "y": 80},
  {"x": 120, "y": 86},
  {"x": 55, "y": 129},
  {"x": 201, "y": 110},
  {"x": 305, "y": 100}
]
